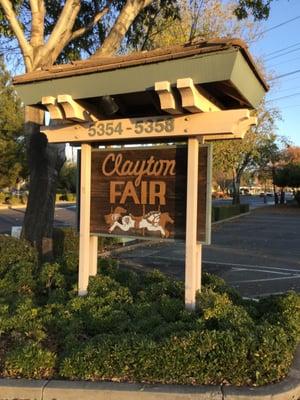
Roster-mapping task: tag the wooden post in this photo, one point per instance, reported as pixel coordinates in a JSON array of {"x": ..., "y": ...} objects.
[
  {"x": 93, "y": 255},
  {"x": 192, "y": 253},
  {"x": 85, "y": 207}
]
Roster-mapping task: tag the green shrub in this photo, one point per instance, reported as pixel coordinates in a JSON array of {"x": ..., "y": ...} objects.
[
  {"x": 134, "y": 327},
  {"x": 71, "y": 197},
  {"x": 13, "y": 200},
  {"x": 50, "y": 277},
  {"x": 2, "y": 197},
  {"x": 13, "y": 251},
  {"x": 297, "y": 197},
  {"x": 224, "y": 212},
  {"x": 19, "y": 279},
  {"x": 66, "y": 248},
  {"x": 29, "y": 361}
]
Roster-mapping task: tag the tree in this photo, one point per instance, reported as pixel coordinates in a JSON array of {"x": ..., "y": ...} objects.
[
  {"x": 47, "y": 32},
  {"x": 236, "y": 157},
  {"x": 259, "y": 8},
  {"x": 289, "y": 176},
  {"x": 67, "y": 178},
  {"x": 58, "y": 31},
  {"x": 11, "y": 125},
  {"x": 203, "y": 19}
]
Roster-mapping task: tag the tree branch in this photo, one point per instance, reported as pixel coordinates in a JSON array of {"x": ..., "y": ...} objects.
[
  {"x": 37, "y": 23},
  {"x": 126, "y": 17},
  {"x": 25, "y": 47},
  {"x": 60, "y": 34},
  {"x": 90, "y": 26}
]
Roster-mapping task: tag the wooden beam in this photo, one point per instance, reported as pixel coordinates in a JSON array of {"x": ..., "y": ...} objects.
[
  {"x": 210, "y": 138},
  {"x": 75, "y": 110},
  {"x": 84, "y": 231},
  {"x": 192, "y": 250},
  {"x": 93, "y": 255},
  {"x": 230, "y": 122},
  {"x": 56, "y": 112},
  {"x": 192, "y": 98},
  {"x": 167, "y": 99}
]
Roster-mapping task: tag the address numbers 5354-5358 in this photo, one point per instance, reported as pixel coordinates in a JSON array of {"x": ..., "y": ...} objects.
[{"x": 138, "y": 127}]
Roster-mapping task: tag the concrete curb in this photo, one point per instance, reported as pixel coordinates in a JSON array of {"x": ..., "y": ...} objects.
[
  {"x": 22, "y": 389},
  {"x": 21, "y": 206}
]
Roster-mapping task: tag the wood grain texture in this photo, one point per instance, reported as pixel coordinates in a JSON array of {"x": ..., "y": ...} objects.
[{"x": 108, "y": 198}]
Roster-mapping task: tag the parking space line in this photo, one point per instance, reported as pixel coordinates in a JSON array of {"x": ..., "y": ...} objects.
[
  {"x": 267, "y": 279},
  {"x": 251, "y": 267}
]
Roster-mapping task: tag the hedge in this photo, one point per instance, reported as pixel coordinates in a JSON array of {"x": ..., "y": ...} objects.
[
  {"x": 223, "y": 212},
  {"x": 134, "y": 326}
]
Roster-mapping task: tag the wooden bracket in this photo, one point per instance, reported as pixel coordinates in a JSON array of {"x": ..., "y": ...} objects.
[
  {"x": 192, "y": 98},
  {"x": 76, "y": 111},
  {"x": 243, "y": 125},
  {"x": 167, "y": 99},
  {"x": 54, "y": 109}
]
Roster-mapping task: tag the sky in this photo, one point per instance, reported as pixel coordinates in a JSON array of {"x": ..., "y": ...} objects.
[{"x": 280, "y": 49}]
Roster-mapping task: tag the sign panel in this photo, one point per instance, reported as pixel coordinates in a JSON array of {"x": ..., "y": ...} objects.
[{"x": 141, "y": 192}]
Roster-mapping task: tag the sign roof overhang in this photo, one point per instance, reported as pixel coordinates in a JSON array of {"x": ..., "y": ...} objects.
[{"x": 223, "y": 68}]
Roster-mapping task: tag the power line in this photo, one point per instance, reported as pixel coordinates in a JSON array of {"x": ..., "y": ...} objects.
[
  {"x": 291, "y": 79},
  {"x": 282, "y": 49},
  {"x": 281, "y": 24},
  {"x": 287, "y": 89},
  {"x": 293, "y": 106},
  {"x": 282, "y": 54},
  {"x": 284, "y": 62},
  {"x": 284, "y": 97},
  {"x": 284, "y": 75}
]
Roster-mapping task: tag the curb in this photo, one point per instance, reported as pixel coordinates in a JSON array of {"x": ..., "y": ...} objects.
[
  {"x": 22, "y": 389},
  {"x": 20, "y": 206}
]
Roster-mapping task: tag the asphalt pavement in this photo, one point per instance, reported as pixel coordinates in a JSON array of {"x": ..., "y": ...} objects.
[
  {"x": 65, "y": 215},
  {"x": 258, "y": 253}
]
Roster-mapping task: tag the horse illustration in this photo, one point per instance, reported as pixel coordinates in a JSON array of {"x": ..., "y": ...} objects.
[{"x": 152, "y": 221}]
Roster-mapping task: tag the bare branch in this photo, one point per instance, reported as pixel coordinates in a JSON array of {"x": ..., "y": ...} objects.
[
  {"x": 18, "y": 31},
  {"x": 126, "y": 17},
  {"x": 90, "y": 26},
  {"x": 37, "y": 23}
]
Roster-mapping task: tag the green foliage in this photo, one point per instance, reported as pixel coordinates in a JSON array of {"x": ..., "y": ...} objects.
[
  {"x": 12, "y": 161},
  {"x": 288, "y": 176},
  {"x": 297, "y": 197},
  {"x": 223, "y": 212},
  {"x": 259, "y": 8},
  {"x": 66, "y": 248},
  {"x": 29, "y": 361},
  {"x": 135, "y": 327},
  {"x": 13, "y": 251},
  {"x": 67, "y": 178}
]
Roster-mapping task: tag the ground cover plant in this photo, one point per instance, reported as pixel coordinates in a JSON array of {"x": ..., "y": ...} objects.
[{"x": 134, "y": 327}]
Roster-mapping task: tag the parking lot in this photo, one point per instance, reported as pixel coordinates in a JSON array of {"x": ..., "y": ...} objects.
[{"x": 258, "y": 254}]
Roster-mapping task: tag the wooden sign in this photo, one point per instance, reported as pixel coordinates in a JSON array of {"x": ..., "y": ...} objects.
[
  {"x": 141, "y": 192},
  {"x": 226, "y": 123}
]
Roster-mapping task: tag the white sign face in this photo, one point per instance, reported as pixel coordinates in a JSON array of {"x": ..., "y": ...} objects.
[{"x": 16, "y": 231}]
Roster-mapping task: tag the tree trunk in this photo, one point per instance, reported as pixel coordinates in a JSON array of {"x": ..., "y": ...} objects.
[
  {"x": 236, "y": 182},
  {"x": 45, "y": 162}
]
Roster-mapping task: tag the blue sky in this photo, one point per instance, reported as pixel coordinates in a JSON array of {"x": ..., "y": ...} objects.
[{"x": 280, "y": 48}]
